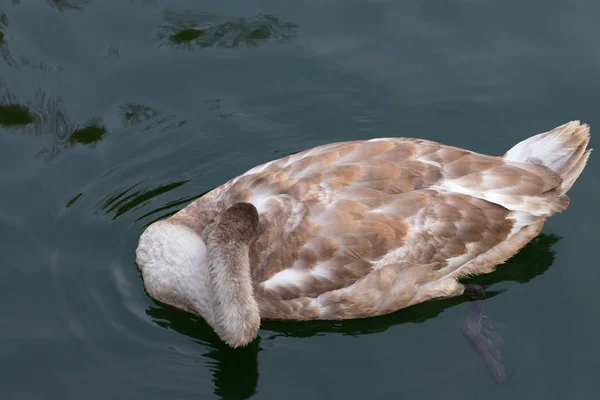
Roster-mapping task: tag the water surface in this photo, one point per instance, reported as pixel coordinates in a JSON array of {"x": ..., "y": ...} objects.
[{"x": 116, "y": 113}]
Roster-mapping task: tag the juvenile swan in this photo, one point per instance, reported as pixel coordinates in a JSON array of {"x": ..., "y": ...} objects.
[{"x": 355, "y": 229}]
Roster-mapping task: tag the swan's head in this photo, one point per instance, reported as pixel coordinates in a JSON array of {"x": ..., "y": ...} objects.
[{"x": 172, "y": 259}]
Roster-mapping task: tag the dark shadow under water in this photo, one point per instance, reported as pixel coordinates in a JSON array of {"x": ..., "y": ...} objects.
[{"x": 235, "y": 371}]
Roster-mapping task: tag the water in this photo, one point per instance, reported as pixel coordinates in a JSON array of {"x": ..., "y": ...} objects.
[{"x": 116, "y": 113}]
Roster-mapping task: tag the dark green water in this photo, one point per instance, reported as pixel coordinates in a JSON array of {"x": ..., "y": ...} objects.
[{"x": 116, "y": 113}]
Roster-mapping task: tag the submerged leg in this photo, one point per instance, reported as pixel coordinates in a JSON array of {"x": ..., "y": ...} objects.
[{"x": 482, "y": 335}]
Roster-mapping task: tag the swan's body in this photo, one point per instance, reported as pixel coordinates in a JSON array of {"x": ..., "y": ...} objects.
[{"x": 355, "y": 229}]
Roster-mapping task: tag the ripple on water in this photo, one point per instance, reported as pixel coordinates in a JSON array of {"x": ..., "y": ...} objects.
[
  {"x": 17, "y": 234},
  {"x": 198, "y": 29},
  {"x": 5, "y": 52},
  {"x": 100, "y": 310},
  {"x": 24, "y": 271}
]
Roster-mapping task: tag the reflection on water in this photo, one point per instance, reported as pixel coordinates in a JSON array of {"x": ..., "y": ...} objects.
[
  {"x": 31, "y": 116},
  {"x": 187, "y": 35},
  {"x": 49, "y": 70},
  {"x": 46, "y": 115},
  {"x": 533, "y": 260},
  {"x": 235, "y": 371},
  {"x": 165, "y": 123},
  {"x": 201, "y": 29},
  {"x": 133, "y": 197},
  {"x": 91, "y": 133},
  {"x": 72, "y": 202},
  {"x": 230, "y": 365},
  {"x": 6, "y": 55},
  {"x": 215, "y": 105},
  {"x": 14, "y": 115},
  {"x": 63, "y": 5},
  {"x": 135, "y": 114},
  {"x": 168, "y": 209},
  {"x": 4, "y": 50}
]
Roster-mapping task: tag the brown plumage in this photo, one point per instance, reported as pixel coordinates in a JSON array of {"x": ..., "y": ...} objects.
[{"x": 364, "y": 228}]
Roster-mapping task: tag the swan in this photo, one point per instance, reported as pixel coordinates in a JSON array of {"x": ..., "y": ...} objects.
[{"x": 356, "y": 229}]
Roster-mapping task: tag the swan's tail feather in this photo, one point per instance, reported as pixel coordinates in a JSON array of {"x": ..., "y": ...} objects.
[{"x": 563, "y": 150}]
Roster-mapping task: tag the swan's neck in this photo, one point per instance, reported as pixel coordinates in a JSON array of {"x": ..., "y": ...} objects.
[
  {"x": 235, "y": 311},
  {"x": 227, "y": 238}
]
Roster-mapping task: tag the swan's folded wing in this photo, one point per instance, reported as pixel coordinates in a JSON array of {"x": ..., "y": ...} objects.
[
  {"x": 333, "y": 214},
  {"x": 419, "y": 237},
  {"x": 517, "y": 186}
]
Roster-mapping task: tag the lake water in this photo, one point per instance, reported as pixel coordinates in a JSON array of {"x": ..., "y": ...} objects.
[{"x": 116, "y": 113}]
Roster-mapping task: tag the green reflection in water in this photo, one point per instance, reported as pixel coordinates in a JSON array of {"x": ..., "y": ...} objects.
[
  {"x": 15, "y": 115},
  {"x": 89, "y": 134},
  {"x": 201, "y": 29},
  {"x": 187, "y": 35},
  {"x": 72, "y": 202},
  {"x": 168, "y": 206},
  {"x": 46, "y": 115},
  {"x": 130, "y": 199},
  {"x": 533, "y": 260}
]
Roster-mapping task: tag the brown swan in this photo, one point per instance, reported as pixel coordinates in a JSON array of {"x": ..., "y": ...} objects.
[{"x": 355, "y": 229}]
